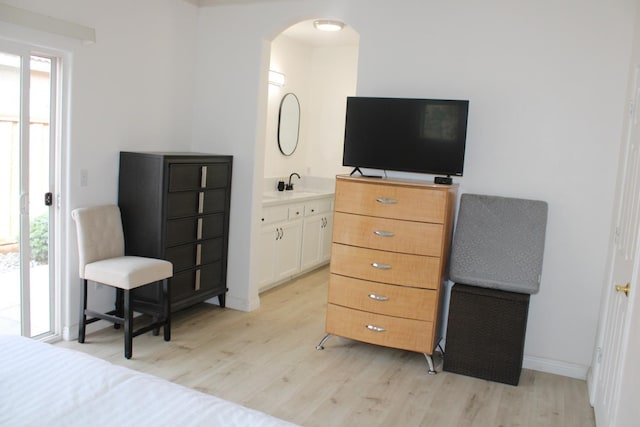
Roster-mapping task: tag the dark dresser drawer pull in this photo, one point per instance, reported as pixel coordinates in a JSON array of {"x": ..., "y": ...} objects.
[
  {"x": 198, "y": 254},
  {"x": 201, "y": 202},
  {"x": 384, "y": 233},
  {"x": 386, "y": 201},
  {"x": 199, "y": 231},
  {"x": 375, "y": 328},
  {"x": 197, "y": 284},
  {"x": 380, "y": 266},
  {"x": 378, "y": 297},
  {"x": 203, "y": 177}
]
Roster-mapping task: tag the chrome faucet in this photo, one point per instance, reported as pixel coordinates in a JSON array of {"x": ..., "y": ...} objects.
[{"x": 290, "y": 185}]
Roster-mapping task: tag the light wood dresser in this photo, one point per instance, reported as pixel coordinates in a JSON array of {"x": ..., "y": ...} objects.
[{"x": 391, "y": 242}]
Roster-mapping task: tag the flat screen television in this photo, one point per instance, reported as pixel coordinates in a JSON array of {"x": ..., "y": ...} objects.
[{"x": 406, "y": 134}]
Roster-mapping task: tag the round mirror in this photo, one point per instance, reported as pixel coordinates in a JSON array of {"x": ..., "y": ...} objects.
[{"x": 288, "y": 124}]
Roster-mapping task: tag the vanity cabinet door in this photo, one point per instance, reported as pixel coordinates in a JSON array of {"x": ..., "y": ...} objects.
[
  {"x": 279, "y": 252},
  {"x": 288, "y": 249}
]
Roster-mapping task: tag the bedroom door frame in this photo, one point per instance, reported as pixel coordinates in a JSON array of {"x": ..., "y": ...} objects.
[{"x": 38, "y": 306}]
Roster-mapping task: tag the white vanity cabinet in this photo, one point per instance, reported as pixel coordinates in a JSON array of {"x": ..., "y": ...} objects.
[
  {"x": 316, "y": 233},
  {"x": 280, "y": 243},
  {"x": 295, "y": 237}
]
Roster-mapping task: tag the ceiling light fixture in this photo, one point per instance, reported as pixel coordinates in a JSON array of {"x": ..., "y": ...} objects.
[{"x": 328, "y": 25}]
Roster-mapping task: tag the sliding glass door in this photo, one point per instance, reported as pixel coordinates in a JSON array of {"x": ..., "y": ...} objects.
[{"x": 27, "y": 137}]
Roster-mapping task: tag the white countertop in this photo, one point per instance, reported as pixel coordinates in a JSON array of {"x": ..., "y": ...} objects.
[{"x": 271, "y": 198}]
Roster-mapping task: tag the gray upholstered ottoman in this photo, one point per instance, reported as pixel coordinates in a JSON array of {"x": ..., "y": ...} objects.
[
  {"x": 499, "y": 243},
  {"x": 496, "y": 262}
]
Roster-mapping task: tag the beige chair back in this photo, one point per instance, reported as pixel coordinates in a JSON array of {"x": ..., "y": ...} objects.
[{"x": 99, "y": 232}]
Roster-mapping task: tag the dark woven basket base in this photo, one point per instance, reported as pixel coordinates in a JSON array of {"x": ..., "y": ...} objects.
[{"x": 485, "y": 333}]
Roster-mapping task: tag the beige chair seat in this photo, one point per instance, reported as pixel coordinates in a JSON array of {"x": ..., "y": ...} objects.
[
  {"x": 101, "y": 259},
  {"x": 128, "y": 272}
]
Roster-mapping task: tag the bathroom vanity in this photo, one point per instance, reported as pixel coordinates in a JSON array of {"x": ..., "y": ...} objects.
[{"x": 295, "y": 235}]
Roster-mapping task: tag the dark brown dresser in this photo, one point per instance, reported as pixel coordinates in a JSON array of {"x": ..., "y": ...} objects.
[{"x": 175, "y": 206}]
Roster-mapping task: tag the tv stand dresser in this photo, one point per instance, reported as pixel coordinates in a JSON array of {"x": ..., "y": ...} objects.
[{"x": 391, "y": 241}]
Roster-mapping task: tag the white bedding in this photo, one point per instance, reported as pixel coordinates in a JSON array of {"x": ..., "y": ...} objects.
[{"x": 45, "y": 385}]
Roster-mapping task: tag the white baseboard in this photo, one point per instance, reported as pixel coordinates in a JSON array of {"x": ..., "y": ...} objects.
[{"x": 571, "y": 370}]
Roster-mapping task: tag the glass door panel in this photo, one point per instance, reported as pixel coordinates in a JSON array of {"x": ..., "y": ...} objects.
[{"x": 26, "y": 295}]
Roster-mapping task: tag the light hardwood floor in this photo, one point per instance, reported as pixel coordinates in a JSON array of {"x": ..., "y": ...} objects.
[{"x": 266, "y": 359}]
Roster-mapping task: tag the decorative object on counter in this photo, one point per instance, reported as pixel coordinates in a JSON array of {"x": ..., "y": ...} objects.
[
  {"x": 281, "y": 185},
  {"x": 288, "y": 124}
]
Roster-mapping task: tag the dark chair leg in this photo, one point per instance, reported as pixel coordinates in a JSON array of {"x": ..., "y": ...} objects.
[
  {"x": 119, "y": 308},
  {"x": 82, "y": 323},
  {"x": 166, "y": 303},
  {"x": 128, "y": 324}
]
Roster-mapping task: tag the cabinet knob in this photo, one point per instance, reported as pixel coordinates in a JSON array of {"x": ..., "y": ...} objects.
[
  {"x": 382, "y": 233},
  {"x": 375, "y": 328}
]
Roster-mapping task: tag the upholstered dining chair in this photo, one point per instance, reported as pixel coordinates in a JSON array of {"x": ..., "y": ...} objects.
[{"x": 102, "y": 259}]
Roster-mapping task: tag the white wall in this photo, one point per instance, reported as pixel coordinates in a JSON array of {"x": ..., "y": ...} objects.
[
  {"x": 293, "y": 59},
  {"x": 547, "y": 96},
  {"x": 334, "y": 74}
]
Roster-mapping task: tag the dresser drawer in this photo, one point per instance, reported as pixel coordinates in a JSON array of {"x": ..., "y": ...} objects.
[
  {"x": 194, "y": 202},
  {"x": 420, "y": 238},
  {"x": 188, "y": 256},
  {"x": 187, "y": 230},
  {"x": 184, "y": 176},
  {"x": 392, "y": 300},
  {"x": 201, "y": 280},
  {"x": 391, "y": 201},
  {"x": 406, "y": 334},
  {"x": 390, "y": 267}
]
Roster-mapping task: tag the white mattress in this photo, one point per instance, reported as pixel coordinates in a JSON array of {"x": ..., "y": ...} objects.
[{"x": 45, "y": 385}]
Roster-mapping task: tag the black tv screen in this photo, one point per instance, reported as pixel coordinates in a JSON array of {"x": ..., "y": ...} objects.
[{"x": 406, "y": 134}]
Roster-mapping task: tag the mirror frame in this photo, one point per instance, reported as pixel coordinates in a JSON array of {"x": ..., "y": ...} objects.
[{"x": 288, "y": 124}]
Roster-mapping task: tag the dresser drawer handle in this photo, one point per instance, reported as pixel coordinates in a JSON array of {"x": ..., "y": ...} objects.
[
  {"x": 375, "y": 328},
  {"x": 199, "y": 229},
  {"x": 203, "y": 177},
  {"x": 198, "y": 254},
  {"x": 386, "y": 201},
  {"x": 200, "y": 202},
  {"x": 380, "y": 266},
  {"x": 384, "y": 233},
  {"x": 197, "y": 283},
  {"x": 378, "y": 297}
]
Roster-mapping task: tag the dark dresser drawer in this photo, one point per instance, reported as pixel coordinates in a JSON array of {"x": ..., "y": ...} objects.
[
  {"x": 196, "y": 202},
  {"x": 190, "y": 255},
  {"x": 187, "y": 230},
  {"x": 194, "y": 176}
]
